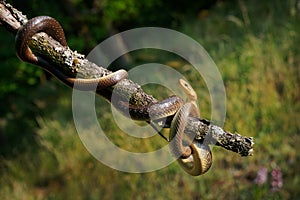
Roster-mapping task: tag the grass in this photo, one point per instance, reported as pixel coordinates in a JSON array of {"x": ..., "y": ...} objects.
[{"x": 256, "y": 47}]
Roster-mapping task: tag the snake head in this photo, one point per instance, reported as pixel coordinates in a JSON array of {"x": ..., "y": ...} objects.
[{"x": 188, "y": 90}]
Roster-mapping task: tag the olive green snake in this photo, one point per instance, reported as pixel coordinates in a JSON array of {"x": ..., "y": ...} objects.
[{"x": 193, "y": 156}]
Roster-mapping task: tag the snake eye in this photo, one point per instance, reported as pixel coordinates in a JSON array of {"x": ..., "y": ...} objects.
[{"x": 187, "y": 86}]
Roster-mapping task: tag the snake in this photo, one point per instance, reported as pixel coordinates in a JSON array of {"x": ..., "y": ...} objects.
[
  {"x": 52, "y": 27},
  {"x": 193, "y": 156}
]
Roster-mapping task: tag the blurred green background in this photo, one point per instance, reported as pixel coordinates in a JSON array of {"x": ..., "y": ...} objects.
[{"x": 255, "y": 45}]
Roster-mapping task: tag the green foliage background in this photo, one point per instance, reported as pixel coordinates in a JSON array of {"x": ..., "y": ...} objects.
[{"x": 255, "y": 44}]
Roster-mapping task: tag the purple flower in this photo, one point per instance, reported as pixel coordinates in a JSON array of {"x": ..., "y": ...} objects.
[
  {"x": 276, "y": 181},
  {"x": 262, "y": 176}
]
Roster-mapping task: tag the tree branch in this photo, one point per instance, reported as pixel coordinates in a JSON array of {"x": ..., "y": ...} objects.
[{"x": 74, "y": 64}]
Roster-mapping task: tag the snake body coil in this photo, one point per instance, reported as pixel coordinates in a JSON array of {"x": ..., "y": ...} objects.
[
  {"x": 193, "y": 156},
  {"x": 53, "y": 28}
]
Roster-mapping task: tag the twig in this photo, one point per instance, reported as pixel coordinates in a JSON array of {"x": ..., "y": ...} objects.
[{"x": 75, "y": 64}]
